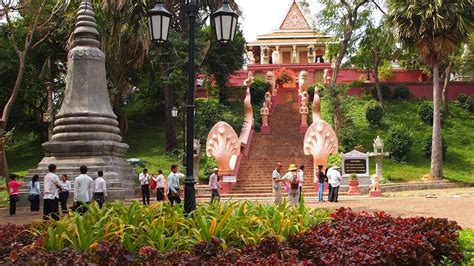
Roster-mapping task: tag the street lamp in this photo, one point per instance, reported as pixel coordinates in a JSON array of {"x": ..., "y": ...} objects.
[
  {"x": 174, "y": 112},
  {"x": 159, "y": 23},
  {"x": 224, "y": 21}
]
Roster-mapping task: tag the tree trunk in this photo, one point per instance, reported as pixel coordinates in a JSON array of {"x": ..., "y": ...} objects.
[
  {"x": 436, "y": 147},
  {"x": 3, "y": 158},
  {"x": 222, "y": 92},
  {"x": 446, "y": 88},
  {"x": 377, "y": 83},
  {"x": 170, "y": 125}
]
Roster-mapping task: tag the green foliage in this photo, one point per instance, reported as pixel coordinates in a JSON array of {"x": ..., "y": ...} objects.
[
  {"x": 258, "y": 88},
  {"x": 385, "y": 89},
  {"x": 208, "y": 113},
  {"x": 427, "y": 147},
  {"x": 425, "y": 112},
  {"x": 210, "y": 165},
  {"x": 335, "y": 159},
  {"x": 356, "y": 83},
  {"x": 167, "y": 228},
  {"x": 353, "y": 177},
  {"x": 469, "y": 105},
  {"x": 399, "y": 143},
  {"x": 466, "y": 238},
  {"x": 374, "y": 113},
  {"x": 385, "y": 71},
  {"x": 347, "y": 138},
  {"x": 401, "y": 91}
]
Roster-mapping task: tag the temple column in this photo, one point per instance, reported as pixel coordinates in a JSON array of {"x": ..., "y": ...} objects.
[
  {"x": 264, "y": 55},
  {"x": 294, "y": 55}
]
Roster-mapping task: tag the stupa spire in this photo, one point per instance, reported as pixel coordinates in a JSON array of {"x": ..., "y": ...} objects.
[{"x": 85, "y": 33}]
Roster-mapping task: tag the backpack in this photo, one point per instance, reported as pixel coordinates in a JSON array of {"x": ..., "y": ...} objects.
[
  {"x": 152, "y": 184},
  {"x": 295, "y": 182}
]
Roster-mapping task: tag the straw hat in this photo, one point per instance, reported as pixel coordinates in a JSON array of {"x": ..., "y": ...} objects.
[
  {"x": 215, "y": 169},
  {"x": 292, "y": 167}
]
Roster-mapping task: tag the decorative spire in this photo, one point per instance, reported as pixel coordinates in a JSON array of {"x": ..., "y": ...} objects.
[
  {"x": 86, "y": 33},
  {"x": 316, "y": 105}
]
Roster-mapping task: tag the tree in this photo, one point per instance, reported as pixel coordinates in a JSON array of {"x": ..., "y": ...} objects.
[
  {"x": 342, "y": 17},
  {"x": 435, "y": 28},
  {"x": 223, "y": 60},
  {"x": 39, "y": 17},
  {"x": 375, "y": 46}
]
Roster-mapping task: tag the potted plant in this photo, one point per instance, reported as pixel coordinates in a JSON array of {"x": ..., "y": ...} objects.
[{"x": 353, "y": 185}]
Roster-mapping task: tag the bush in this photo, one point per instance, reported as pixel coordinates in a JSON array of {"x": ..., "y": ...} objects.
[
  {"x": 469, "y": 105},
  {"x": 347, "y": 139},
  {"x": 401, "y": 91},
  {"x": 425, "y": 112},
  {"x": 374, "y": 113},
  {"x": 399, "y": 142},
  {"x": 208, "y": 113},
  {"x": 386, "y": 92},
  {"x": 461, "y": 100},
  {"x": 335, "y": 159},
  {"x": 427, "y": 147},
  {"x": 257, "y": 91},
  {"x": 210, "y": 165}
]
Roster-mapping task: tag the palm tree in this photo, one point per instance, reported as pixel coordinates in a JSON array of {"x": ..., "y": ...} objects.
[{"x": 435, "y": 28}]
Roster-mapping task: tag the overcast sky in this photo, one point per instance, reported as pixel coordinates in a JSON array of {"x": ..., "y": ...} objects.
[{"x": 263, "y": 16}]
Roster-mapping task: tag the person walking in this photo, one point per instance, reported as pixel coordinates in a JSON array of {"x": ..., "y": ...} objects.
[
  {"x": 173, "y": 185},
  {"x": 144, "y": 179},
  {"x": 34, "y": 193},
  {"x": 100, "y": 189},
  {"x": 52, "y": 186},
  {"x": 160, "y": 186},
  {"x": 335, "y": 179},
  {"x": 276, "y": 184},
  {"x": 321, "y": 179},
  {"x": 13, "y": 186},
  {"x": 327, "y": 172},
  {"x": 300, "y": 179},
  {"x": 292, "y": 178},
  {"x": 64, "y": 194},
  {"x": 82, "y": 190},
  {"x": 214, "y": 185}
]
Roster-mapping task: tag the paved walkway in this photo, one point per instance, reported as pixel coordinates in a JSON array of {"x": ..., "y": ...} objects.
[{"x": 455, "y": 204}]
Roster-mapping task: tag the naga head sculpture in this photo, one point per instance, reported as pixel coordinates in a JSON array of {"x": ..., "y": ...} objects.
[{"x": 224, "y": 145}]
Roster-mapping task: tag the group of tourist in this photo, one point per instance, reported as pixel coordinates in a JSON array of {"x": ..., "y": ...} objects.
[
  {"x": 151, "y": 183},
  {"x": 157, "y": 183},
  {"x": 56, "y": 192},
  {"x": 293, "y": 181}
]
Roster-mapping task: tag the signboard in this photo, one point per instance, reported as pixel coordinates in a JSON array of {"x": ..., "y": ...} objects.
[
  {"x": 355, "y": 162},
  {"x": 230, "y": 179},
  {"x": 355, "y": 166}
]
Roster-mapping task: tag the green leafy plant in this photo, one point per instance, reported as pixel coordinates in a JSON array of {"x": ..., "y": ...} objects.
[
  {"x": 401, "y": 91},
  {"x": 469, "y": 105},
  {"x": 374, "y": 113},
  {"x": 335, "y": 159},
  {"x": 427, "y": 147},
  {"x": 258, "y": 88},
  {"x": 425, "y": 112},
  {"x": 385, "y": 71},
  {"x": 208, "y": 113},
  {"x": 353, "y": 177},
  {"x": 399, "y": 143},
  {"x": 385, "y": 89}
]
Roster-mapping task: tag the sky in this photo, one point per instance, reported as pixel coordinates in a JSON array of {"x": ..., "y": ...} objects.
[{"x": 263, "y": 16}]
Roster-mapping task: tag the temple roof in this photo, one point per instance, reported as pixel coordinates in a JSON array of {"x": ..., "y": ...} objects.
[{"x": 295, "y": 28}]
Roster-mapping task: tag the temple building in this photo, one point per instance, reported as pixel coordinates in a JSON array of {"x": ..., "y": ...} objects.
[{"x": 295, "y": 45}]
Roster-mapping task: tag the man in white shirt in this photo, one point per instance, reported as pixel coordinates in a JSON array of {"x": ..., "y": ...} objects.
[
  {"x": 335, "y": 179},
  {"x": 276, "y": 182},
  {"x": 173, "y": 185},
  {"x": 82, "y": 190},
  {"x": 144, "y": 179},
  {"x": 100, "y": 189},
  {"x": 300, "y": 178},
  {"x": 214, "y": 184},
  {"x": 51, "y": 194}
]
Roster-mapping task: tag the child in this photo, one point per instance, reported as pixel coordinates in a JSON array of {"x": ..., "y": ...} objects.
[{"x": 13, "y": 187}]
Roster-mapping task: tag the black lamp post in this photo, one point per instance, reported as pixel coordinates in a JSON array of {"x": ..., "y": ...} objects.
[{"x": 224, "y": 22}]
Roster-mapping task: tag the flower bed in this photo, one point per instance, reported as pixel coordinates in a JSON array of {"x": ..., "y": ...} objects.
[{"x": 348, "y": 238}]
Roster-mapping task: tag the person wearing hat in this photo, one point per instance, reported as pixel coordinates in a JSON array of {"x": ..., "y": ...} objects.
[
  {"x": 334, "y": 178},
  {"x": 292, "y": 178},
  {"x": 214, "y": 184}
]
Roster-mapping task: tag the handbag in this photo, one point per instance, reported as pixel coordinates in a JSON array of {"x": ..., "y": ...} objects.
[{"x": 31, "y": 197}]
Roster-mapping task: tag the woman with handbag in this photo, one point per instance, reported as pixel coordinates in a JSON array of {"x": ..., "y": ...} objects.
[
  {"x": 34, "y": 194},
  {"x": 13, "y": 187}
]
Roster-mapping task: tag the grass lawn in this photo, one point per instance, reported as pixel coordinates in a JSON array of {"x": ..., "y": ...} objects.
[
  {"x": 467, "y": 244},
  {"x": 457, "y": 130}
]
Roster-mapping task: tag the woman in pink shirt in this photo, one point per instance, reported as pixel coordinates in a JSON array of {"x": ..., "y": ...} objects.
[{"x": 13, "y": 187}]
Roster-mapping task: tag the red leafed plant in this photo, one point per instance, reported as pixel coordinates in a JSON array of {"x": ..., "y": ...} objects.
[{"x": 283, "y": 76}]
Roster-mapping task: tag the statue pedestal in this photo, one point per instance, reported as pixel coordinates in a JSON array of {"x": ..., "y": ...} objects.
[
  {"x": 265, "y": 130},
  {"x": 228, "y": 182},
  {"x": 353, "y": 188},
  {"x": 303, "y": 128},
  {"x": 375, "y": 193}
]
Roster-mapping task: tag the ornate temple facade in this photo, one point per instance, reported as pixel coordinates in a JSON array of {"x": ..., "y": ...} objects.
[{"x": 295, "y": 45}]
